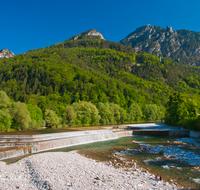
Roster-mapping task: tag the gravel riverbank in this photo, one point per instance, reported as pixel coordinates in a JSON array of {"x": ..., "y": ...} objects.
[{"x": 70, "y": 170}]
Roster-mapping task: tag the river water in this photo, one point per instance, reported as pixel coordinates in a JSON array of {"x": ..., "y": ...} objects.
[
  {"x": 172, "y": 170},
  {"x": 167, "y": 156}
]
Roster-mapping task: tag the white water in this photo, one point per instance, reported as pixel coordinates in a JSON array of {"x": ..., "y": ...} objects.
[
  {"x": 78, "y": 140},
  {"x": 14, "y": 153},
  {"x": 60, "y": 140}
]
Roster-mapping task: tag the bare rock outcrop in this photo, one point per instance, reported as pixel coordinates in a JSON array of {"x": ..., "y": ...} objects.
[
  {"x": 180, "y": 45},
  {"x": 5, "y": 53},
  {"x": 93, "y": 32},
  {"x": 90, "y": 34}
]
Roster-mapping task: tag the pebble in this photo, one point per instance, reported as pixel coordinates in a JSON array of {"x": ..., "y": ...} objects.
[
  {"x": 70, "y": 170},
  {"x": 189, "y": 141}
]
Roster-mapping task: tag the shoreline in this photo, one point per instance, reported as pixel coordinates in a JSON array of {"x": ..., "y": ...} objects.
[{"x": 70, "y": 170}]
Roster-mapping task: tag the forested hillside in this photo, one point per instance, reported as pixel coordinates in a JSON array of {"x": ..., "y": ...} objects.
[{"x": 93, "y": 70}]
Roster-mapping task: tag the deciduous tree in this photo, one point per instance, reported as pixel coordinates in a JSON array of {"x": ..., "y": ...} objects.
[
  {"x": 51, "y": 118},
  {"x": 179, "y": 107},
  {"x": 135, "y": 112},
  {"x": 5, "y": 120},
  {"x": 69, "y": 115},
  {"x": 21, "y": 116}
]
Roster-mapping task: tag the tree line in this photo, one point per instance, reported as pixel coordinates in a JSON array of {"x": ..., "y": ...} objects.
[
  {"x": 182, "y": 111},
  {"x": 30, "y": 115}
]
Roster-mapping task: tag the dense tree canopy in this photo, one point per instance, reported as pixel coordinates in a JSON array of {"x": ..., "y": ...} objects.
[
  {"x": 51, "y": 118},
  {"x": 69, "y": 115},
  {"x": 135, "y": 112},
  {"x": 103, "y": 82},
  {"x": 180, "y": 107},
  {"x": 95, "y": 71},
  {"x": 21, "y": 116},
  {"x": 5, "y": 120},
  {"x": 4, "y": 100},
  {"x": 86, "y": 112},
  {"x": 5, "y": 117}
]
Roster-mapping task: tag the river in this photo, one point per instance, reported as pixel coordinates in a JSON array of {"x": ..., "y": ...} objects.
[{"x": 158, "y": 155}]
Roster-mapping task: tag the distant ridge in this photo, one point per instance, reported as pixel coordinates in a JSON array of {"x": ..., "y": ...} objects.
[{"x": 180, "y": 45}]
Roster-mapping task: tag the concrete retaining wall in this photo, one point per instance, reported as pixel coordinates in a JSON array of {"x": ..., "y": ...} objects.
[{"x": 162, "y": 133}]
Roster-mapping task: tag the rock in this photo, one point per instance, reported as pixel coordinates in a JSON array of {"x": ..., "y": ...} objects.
[
  {"x": 5, "y": 53},
  {"x": 164, "y": 42},
  {"x": 64, "y": 126},
  {"x": 69, "y": 170},
  {"x": 145, "y": 171},
  {"x": 92, "y": 32}
]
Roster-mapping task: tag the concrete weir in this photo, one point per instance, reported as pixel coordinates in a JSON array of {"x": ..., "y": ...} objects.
[
  {"x": 162, "y": 133},
  {"x": 19, "y": 145},
  {"x": 158, "y": 129}
]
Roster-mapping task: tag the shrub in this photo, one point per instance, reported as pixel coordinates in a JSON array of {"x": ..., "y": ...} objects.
[{"x": 161, "y": 152}]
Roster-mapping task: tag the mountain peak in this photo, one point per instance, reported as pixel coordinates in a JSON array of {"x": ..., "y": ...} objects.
[
  {"x": 94, "y": 32},
  {"x": 148, "y": 26},
  {"x": 89, "y": 34},
  {"x": 180, "y": 45},
  {"x": 168, "y": 28},
  {"x": 5, "y": 53}
]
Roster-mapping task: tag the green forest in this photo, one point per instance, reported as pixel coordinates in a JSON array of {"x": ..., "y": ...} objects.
[
  {"x": 22, "y": 116},
  {"x": 90, "y": 81}
]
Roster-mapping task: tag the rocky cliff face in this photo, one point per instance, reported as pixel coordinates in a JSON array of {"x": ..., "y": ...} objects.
[
  {"x": 180, "y": 45},
  {"x": 5, "y": 53},
  {"x": 90, "y": 34}
]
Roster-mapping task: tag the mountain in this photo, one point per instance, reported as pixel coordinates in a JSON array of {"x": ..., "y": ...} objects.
[
  {"x": 180, "y": 45},
  {"x": 93, "y": 69},
  {"x": 89, "y": 34},
  {"x": 5, "y": 53}
]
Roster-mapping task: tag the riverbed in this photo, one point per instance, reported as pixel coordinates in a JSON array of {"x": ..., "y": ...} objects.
[
  {"x": 175, "y": 159},
  {"x": 70, "y": 170},
  {"x": 172, "y": 170},
  {"x": 124, "y": 152}
]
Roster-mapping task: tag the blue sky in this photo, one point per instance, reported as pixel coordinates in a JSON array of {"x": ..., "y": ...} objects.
[{"x": 33, "y": 24}]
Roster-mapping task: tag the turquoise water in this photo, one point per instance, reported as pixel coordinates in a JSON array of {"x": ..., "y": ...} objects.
[{"x": 180, "y": 172}]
